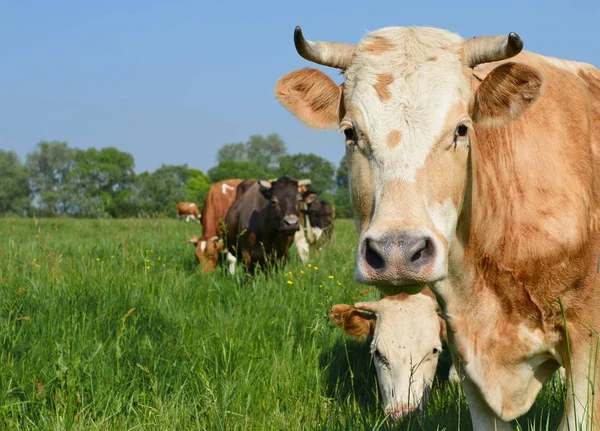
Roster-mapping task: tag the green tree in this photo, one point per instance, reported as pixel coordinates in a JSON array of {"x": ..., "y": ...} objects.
[
  {"x": 319, "y": 170},
  {"x": 235, "y": 151},
  {"x": 230, "y": 169},
  {"x": 49, "y": 166},
  {"x": 197, "y": 186},
  {"x": 265, "y": 152},
  {"x": 101, "y": 181},
  {"x": 160, "y": 191},
  {"x": 14, "y": 185}
]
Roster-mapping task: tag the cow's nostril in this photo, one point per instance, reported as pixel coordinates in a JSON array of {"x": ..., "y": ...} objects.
[
  {"x": 372, "y": 256},
  {"x": 419, "y": 249}
]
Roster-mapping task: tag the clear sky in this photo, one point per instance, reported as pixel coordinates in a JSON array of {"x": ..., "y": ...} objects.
[{"x": 170, "y": 82}]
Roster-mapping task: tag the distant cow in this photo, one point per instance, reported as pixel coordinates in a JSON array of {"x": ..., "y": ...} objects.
[
  {"x": 407, "y": 340},
  {"x": 210, "y": 247},
  {"x": 262, "y": 222},
  {"x": 189, "y": 210},
  {"x": 320, "y": 219}
]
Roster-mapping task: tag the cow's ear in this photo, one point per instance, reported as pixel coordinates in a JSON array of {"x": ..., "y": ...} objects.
[
  {"x": 356, "y": 323},
  {"x": 505, "y": 93},
  {"x": 266, "y": 188},
  {"x": 310, "y": 197},
  {"x": 311, "y": 96}
]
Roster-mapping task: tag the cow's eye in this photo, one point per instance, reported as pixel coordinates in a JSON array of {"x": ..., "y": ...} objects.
[
  {"x": 350, "y": 134},
  {"x": 436, "y": 350},
  {"x": 461, "y": 131}
]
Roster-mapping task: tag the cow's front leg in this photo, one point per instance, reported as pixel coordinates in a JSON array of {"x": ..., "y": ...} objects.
[{"x": 582, "y": 399}]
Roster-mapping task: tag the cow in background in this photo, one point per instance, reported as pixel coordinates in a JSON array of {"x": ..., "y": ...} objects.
[
  {"x": 189, "y": 210},
  {"x": 262, "y": 222},
  {"x": 210, "y": 247},
  {"x": 319, "y": 214}
]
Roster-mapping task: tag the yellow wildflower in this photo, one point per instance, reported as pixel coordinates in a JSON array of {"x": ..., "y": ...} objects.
[
  {"x": 290, "y": 282},
  {"x": 301, "y": 272},
  {"x": 309, "y": 265},
  {"x": 97, "y": 258},
  {"x": 331, "y": 277},
  {"x": 147, "y": 267},
  {"x": 316, "y": 268}
]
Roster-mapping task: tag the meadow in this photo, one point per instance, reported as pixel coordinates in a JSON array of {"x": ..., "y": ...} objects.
[{"x": 108, "y": 324}]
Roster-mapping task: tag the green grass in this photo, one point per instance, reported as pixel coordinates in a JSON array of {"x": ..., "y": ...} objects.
[{"x": 106, "y": 324}]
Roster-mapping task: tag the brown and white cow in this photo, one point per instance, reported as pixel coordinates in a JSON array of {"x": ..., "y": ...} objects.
[
  {"x": 210, "y": 247},
  {"x": 407, "y": 340},
  {"x": 189, "y": 210},
  {"x": 479, "y": 176}
]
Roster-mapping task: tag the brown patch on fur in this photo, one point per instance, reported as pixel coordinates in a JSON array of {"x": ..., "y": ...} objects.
[
  {"x": 353, "y": 322},
  {"x": 393, "y": 138},
  {"x": 507, "y": 92},
  {"x": 432, "y": 58},
  {"x": 311, "y": 96},
  {"x": 378, "y": 45},
  {"x": 384, "y": 80}
]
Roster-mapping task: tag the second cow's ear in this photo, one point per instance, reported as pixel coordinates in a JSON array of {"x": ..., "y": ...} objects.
[
  {"x": 506, "y": 93},
  {"x": 311, "y": 96},
  {"x": 309, "y": 198},
  {"x": 357, "y": 324}
]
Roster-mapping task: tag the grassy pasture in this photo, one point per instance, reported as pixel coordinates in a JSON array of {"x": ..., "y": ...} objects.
[{"x": 106, "y": 324}]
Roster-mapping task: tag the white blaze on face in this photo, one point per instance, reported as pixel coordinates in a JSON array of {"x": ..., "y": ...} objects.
[
  {"x": 406, "y": 347},
  {"x": 398, "y": 100},
  {"x": 444, "y": 217}
]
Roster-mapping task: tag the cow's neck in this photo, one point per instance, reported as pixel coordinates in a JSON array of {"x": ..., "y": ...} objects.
[{"x": 505, "y": 331}]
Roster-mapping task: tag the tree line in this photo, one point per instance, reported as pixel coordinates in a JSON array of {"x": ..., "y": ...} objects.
[{"x": 58, "y": 180}]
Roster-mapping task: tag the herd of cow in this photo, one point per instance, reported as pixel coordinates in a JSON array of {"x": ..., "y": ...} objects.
[
  {"x": 258, "y": 221},
  {"x": 474, "y": 171}
]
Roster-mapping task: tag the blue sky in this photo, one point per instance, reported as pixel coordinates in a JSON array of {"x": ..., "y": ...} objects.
[{"x": 170, "y": 82}]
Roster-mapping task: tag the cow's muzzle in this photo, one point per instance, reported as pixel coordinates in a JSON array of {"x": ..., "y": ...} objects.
[{"x": 403, "y": 259}]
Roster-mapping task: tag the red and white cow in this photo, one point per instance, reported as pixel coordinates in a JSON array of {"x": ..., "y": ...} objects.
[
  {"x": 210, "y": 247},
  {"x": 479, "y": 176},
  {"x": 189, "y": 210}
]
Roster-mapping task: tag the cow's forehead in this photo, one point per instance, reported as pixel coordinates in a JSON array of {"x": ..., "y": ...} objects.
[{"x": 399, "y": 89}]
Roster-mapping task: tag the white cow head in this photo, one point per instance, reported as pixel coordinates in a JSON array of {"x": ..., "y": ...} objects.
[
  {"x": 406, "y": 345},
  {"x": 407, "y": 108}
]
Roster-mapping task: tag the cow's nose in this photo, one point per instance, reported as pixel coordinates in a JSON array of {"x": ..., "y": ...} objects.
[
  {"x": 290, "y": 221},
  {"x": 395, "y": 257},
  {"x": 398, "y": 412}
]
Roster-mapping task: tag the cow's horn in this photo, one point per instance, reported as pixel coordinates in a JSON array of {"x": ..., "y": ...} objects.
[
  {"x": 367, "y": 306},
  {"x": 332, "y": 54},
  {"x": 486, "y": 49},
  {"x": 303, "y": 182},
  {"x": 265, "y": 184},
  {"x": 214, "y": 238}
]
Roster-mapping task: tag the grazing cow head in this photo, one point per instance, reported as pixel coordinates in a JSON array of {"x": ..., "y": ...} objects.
[
  {"x": 407, "y": 109},
  {"x": 406, "y": 345},
  {"x": 207, "y": 251},
  {"x": 283, "y": 198}
]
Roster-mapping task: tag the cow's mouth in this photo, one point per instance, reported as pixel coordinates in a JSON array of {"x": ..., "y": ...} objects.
[{"x": 288, "y": 231}]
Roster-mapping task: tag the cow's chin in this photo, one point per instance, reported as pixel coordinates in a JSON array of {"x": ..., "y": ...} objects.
[
  {"x": 288, "y": 232},
  {"x": 390, "y": 290}
]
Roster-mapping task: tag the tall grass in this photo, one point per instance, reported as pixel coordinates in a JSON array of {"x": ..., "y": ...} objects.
[{"x": 107, "y": 324}]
